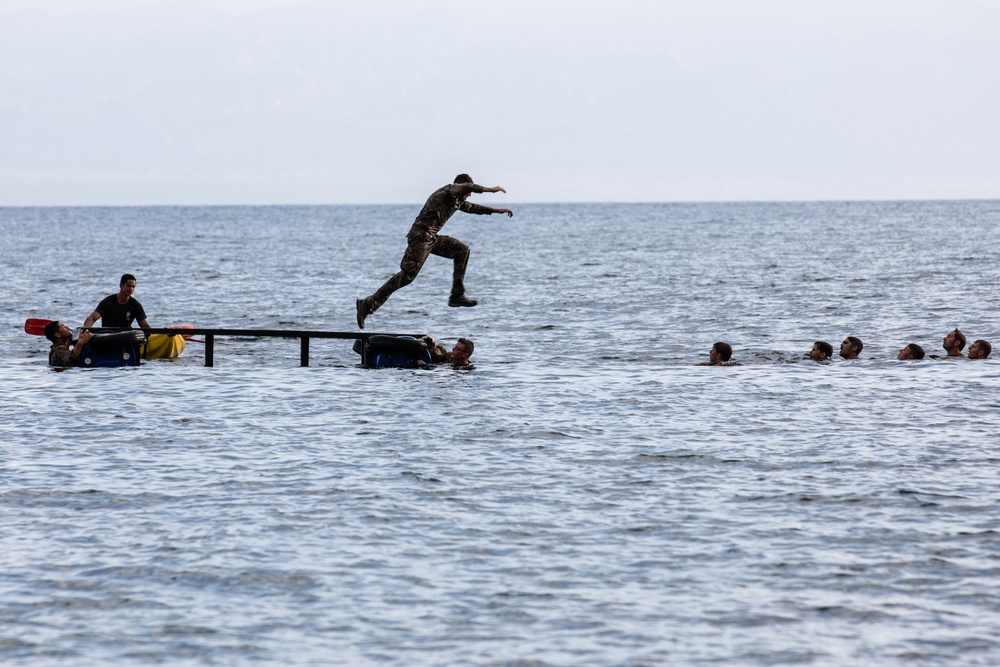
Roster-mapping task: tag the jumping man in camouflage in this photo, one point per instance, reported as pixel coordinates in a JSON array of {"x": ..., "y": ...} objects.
[{"x": 423, "y": 240}]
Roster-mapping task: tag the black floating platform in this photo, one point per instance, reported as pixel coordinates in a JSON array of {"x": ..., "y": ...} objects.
[{"x": 303, "y": 335}]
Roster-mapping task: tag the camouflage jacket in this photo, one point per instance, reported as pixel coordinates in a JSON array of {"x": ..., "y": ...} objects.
[
  {"x": 62, "y": 355},
  {"x": 442, "y": 205}
]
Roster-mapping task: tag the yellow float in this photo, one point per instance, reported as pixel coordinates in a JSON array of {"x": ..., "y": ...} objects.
[{"x": 164, "y": 346}]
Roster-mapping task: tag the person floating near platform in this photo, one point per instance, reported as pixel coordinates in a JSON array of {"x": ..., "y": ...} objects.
[
  {"x": 720, "y": 355},
  {"x": 460, "y": 353},
  {"x": 65, "y": 351},
  {"x": 121, "y": 309},
  {"x": 981, "y": 349},
  {"x": 389, "y": 351},
  {"x": 821, "y": 351},
  {"x": 911, "y": 351},
  {"x": 851, "y": 347},
  {"x": 423, "y": 240},
  {"x": 954, "y": 343},
  {"x": 458, "y": 357}
]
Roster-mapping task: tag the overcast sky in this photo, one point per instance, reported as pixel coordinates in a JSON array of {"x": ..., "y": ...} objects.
[{"x": 284, "y": 102}]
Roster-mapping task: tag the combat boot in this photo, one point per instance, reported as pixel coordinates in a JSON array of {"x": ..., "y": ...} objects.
[{"x": 461, "y": 301}]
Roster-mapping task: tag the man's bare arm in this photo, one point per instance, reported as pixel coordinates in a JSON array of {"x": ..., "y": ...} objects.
[{"x": 85, "y": 337}]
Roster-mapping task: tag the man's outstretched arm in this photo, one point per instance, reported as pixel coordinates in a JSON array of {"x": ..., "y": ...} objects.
[{"x": 479, "y": 209}]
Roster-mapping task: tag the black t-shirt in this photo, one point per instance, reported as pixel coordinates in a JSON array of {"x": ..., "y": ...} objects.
[{"x": 114, "y": 314}]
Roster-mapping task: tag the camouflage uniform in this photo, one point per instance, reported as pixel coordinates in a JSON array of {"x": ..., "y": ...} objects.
[
  {"x": 423, "y": 240},
  {"x": 62, "y": 355}
]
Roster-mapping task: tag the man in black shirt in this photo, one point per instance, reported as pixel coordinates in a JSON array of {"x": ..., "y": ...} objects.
[{"x": 119, "y": 310}]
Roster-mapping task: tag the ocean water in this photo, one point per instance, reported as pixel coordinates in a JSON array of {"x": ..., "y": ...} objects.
[{"x": 588, "y": 494}]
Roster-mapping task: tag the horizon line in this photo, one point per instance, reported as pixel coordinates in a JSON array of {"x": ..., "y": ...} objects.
[{"x": 536, "y": 203}]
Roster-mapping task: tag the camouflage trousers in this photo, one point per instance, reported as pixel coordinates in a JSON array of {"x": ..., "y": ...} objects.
[{"x": 418, "y": 247}]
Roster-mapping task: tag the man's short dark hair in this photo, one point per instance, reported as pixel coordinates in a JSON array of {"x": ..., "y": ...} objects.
[
  {"x": 825, "y": 348},
  {"x": 464, "y": 178},
  {"x": 856, "y": 343},
  {"x": 985, "y": 346},
  {"x": 959, "y": 338},
  {"x": 725, "y": 350},
  {"x": 52, "y": 330},
  {"x": 125, "y": 278},
  {"x": 916, "y": 351},
  {"x": 467, "y": 343}
]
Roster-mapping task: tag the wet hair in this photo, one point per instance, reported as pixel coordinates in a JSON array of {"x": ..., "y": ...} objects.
[
  {"x": 985, "y": 346},
  {"x": 959, "y": 338},
  {"x": 825, "y": 348},
  {"x": 125, "y": 278},
  {"x": 52, "y": 330},
  {"x": 856, "y": 343},
  {"x": 467, "y": 343},
  {"x": 464, "y": 178},
  {"x": 725, "y": 350},
  {"x": 916, "y": 351}
]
